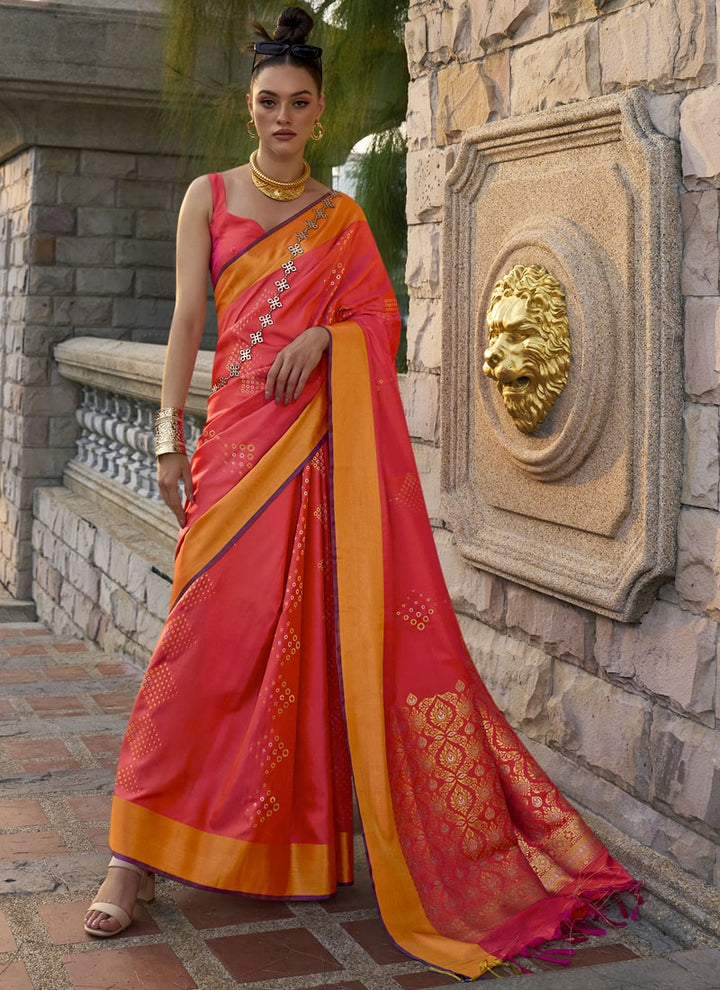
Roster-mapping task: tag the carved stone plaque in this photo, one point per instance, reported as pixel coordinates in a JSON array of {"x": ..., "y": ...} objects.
[{"x": 585, "y": 507}]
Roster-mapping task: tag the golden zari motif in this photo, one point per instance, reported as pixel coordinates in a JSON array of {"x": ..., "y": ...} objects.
[
  {"x": 479, "y": 812},
  {"x": 451, "y": 759}
]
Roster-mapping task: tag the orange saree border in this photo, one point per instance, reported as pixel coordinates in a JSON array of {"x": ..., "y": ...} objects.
[
  {"x": 361, "y": 608},
  {"x": 269, "y": 252},
  {"x": 223, "y": 521},
  {"x": 212, "y": 860}
]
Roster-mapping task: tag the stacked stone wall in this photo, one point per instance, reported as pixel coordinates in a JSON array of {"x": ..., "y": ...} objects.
[
  {"x": 98, "y": 575},
  {"x": 89, "y": 241},
  {"x": 627, "y": 716}
]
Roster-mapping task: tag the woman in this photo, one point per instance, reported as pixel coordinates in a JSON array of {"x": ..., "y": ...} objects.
[{"x": 310, "y": 628}]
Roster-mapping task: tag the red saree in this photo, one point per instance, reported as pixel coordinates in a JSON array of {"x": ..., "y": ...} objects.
[{"x": 311, "y": 631}]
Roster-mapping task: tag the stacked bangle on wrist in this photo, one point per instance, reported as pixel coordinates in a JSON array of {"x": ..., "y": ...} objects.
[{"x": 169, "y": 431}]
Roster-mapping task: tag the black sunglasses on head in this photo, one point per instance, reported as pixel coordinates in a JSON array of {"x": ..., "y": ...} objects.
[{"x": 282, "y": 48}]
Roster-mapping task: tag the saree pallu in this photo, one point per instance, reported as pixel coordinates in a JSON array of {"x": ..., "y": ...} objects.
[{"x": 311, "y": 644}]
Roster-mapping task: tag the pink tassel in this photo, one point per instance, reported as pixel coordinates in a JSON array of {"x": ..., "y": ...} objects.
[
  {"x": 559, "y": 957},
  {"x": 574, "y": 930},
  {"x": 595, "y": 911}
]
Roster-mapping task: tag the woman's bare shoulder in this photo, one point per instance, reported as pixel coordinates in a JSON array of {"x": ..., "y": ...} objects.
[
  {"x": 233, "y": 178},
  {"x": 198, "y": 199}
]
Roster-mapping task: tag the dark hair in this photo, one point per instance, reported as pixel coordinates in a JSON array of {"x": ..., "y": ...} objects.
[{"x": 293, "y": 28}]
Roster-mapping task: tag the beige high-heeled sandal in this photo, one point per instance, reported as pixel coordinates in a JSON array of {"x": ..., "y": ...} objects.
[{"x": 146, "y": 892}]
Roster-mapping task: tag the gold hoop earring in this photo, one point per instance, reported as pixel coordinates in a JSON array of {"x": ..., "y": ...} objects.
[
  {"x": 250, "y": 128},
  {"x": 318, "y": 131}
]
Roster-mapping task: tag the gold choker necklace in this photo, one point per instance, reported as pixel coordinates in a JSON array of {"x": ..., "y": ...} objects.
[{"x": 281, "y": 191}]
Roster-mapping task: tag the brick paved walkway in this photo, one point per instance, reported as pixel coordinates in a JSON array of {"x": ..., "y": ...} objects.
[{"x": 63, "y": 708}]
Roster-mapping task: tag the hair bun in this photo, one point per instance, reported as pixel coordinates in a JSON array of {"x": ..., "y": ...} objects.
[{"x": 293, "y": 26}]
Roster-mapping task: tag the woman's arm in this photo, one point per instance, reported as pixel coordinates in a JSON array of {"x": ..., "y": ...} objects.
[{"x": 192, "y": 261}]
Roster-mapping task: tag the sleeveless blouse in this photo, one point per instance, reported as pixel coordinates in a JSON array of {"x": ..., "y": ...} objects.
[{"x": 231, "y": 234}]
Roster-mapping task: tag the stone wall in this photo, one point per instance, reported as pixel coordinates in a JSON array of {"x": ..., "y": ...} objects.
[
  {"x": 90, "y": 243},
  {"x": 625, "y": 716}
]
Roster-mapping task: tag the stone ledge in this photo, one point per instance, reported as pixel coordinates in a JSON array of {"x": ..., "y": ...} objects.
[
  {"x": 16, "y": 610},
  {"x": 693, "y": 969},
  {"x": 118, "y": 524},
  {"x": 129, "y": 369},
  {"x": 674, "y": 893},
  {"x": 85, "y": 75},
  {"x": 47, "y": 45},
  {"x": 150, "y": 516}
]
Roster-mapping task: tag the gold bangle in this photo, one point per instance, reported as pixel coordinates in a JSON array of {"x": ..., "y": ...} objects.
[{"x": 169, "y": 431}]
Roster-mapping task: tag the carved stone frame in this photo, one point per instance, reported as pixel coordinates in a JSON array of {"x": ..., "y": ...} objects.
[{"x": 586, "y": 508}]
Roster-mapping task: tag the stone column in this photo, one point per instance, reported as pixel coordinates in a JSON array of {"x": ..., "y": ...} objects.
[{"x": 88, "y": 205}]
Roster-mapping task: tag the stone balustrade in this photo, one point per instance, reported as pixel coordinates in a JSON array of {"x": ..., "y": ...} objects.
[
  {"x": 103, "y": 542},
  {"x": 115, "y": 459},
  {"x": 116, "y": 439}
]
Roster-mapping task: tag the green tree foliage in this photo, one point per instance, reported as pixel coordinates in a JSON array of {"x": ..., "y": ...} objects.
[{"x": 365, "y": 78}]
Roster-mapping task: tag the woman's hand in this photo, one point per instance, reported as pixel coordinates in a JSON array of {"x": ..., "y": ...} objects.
[
  {"x": 171, "y": 469},
  {"x": 291, "y": 369}
]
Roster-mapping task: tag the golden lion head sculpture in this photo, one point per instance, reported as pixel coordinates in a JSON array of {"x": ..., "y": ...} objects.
[{"x": 528, "y": 352}]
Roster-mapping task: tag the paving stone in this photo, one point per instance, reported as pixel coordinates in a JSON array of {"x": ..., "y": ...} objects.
[
  {"x": 702, "y": 963},
  {"x": 30, "y": 845},
  {"x": 357, "y": 897},
  {"x": 102, "y": 743},
  {"x": 352, "y": 985},
  {"x": 641, "y": 974},
  {"x": 273, "y": 955},
  {"x": 119, "y": 969},
  {"x": 15, "y": 976},
  {"x": 594, "y": 955},
  {"x": 420, "y": 981},
  {"x": 371, "y": 935},
  {"x": 79, "y": 781},
  {"x": 7, "y": 940},
  {"x": 14, "y": 814},
  {"x": 58, "y": 706},
  {"x": 26, "y": 749},
  {"x": 16, "y": 677}
]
